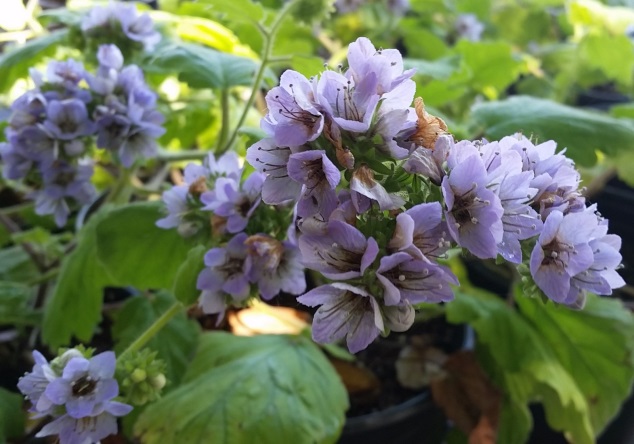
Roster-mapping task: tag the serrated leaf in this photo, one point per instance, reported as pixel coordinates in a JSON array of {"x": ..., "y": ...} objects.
[
  {"x": 523, "y": 364},
  {"x": 581, "y": 132},
  {"x": 241, "y": 390},
  {"x": 74, "y": 308},
  {"x": 612, "y": 55},
  {"x": 184, "y": 288},
  {"x": 175, "y": 343},
  {"x": 16, "y": 265},
  {"x": 135, "y": 251},
  {"x": 15, "y": 63},
  {"x": 12, "y": 417},
  {"x": 595, "y": 345},
  {"x": 201, "y": 67}
]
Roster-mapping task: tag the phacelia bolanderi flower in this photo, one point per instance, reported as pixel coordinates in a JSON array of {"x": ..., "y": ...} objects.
[{"x": 79, "y": 392}]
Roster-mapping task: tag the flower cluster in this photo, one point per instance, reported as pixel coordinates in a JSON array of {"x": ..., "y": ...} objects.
[
  {"x": 123, "y": 19},
  {"x": 251, "y": 247},
  {"x": 53, "y": 127},
  {"x": 381, "y": 193},
  {"x": 77, "y": 390}
]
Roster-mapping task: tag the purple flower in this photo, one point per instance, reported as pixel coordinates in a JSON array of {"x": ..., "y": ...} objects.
[
  {"x": 274, "y": 266},
  {"x": 562, "y": 252},
  {"x": 225, "y": 275},
  {"x": 85, "y": 385},
  {"x": 68, "y": 120},
  {"x": 33, "y": 384},
  {"x": 469, "y": 27},
  {"x": 430, "y": 163},
  {"x": 351, "y": 105},
  {"x": 365, "y": 189},
  {"x": 266, "y": 157},
  {"x": 177, "y": 204},
  {"x": 342, "y": 253},
  {"x": 346, "y": 312},
  {"x": 139, "y": 28},
  {"x": 227, "y": 165},
  {"x": 474, "y": 213},
  {"x": 293, "y": 118},
  {"x": 405, "y": 278},
  {"x": 385, "y": 64},
  {"x": 87, "y": 429},
  {"x": 236, "y": 205},
  {"x": 320, "y": 177},
  {"x": 67, "y": 73},
  {"x": 421, "y": 232}
]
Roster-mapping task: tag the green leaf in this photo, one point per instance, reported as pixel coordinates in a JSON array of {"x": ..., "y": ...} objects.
[
  {"x": 522, "y": 363},
  {"x": 15, "y": 63},
  {"x": 492, "y": 64},
  {"x": 436, "y": 69},
  {"x": 16, "y": 265},
  {"x": 236, "y": 10},
  {"x": 242, "y": 390},
  {"x": 595, "y": 345},
  {"x": 581, "y": 132},
  {"x": 185, "y": 283},
  {"x": 74, "y": 308},
  {"x": 201, "y": 67},
  {"x": 12, "y": 417},
  {"x": 612, "y": 55},
  {"x": 135, "y": 251},
  {"x": 175, "y": 343},
  {"x": 14, "y": 304}
]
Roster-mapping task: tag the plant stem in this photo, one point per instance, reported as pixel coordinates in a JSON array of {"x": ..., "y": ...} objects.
[
  {"x": 121, "y": 191},
  {"x": 224, "y": 127},
  {"x": 153, "y": 329},
  {"x": 269, "y": 37},
  {"x": 12, "y": 227},
  {"x": 16, "y": 208},
  {"x": 182, "y": 155},
  {"x": 44, "y": 277}
]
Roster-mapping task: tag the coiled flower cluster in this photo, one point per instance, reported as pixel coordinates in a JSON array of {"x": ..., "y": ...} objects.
[
  {"x": 54, "y": 127},
  {"x": 382, "y": 191}
]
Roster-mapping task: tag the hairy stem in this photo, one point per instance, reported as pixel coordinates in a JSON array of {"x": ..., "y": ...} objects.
[
  {"x": 269, "y": 38},
  {"x": 153, "y": 329}
]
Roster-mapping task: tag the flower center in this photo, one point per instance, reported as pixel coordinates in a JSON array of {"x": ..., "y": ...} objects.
[{"x": 84, "y": 386}]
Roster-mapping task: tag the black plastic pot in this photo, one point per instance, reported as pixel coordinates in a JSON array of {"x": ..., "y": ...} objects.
[{"x": 415, "y": 421}]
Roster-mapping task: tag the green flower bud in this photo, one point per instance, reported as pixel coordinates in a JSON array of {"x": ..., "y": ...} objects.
[
  {"x": 159, "y": 381},
  {"x": 141, "y": 377},
  {"x": 138, "y": 375}
]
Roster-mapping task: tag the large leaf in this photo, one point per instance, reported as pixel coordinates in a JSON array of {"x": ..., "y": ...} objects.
[
  {"x": 175, "y": 343},
  {"x": 581, "y": 132},
  {"x": 525, "y": 367},
  {"x": 610, "y": 54},
  {"x": 11, "y": 415},
  {"x": 595, "y": 345},
  {"x": 16, "y": 63},
  {"x": 201, "y": 67},
  {"x": 243, "y": 390},
  {"x": 74, "y": 308},
  {"x": 135, "y": 251},
  {"x": 436, "y": 69},
  {"x": 236, "y": 10}
]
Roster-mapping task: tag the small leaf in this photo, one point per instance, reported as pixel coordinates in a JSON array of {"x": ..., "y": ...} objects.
[
  {"x": 581, "y": 132},
  {"x": 14, "y": 305},
  {"x": 12, "y": 417},
  {"x": 135, "y": 251},
  {"x": 267, "y": 389},
  {"x": 185, "y": 283},
  {"x": 175, "y": 343},
  {"x": 201, "y": 67},
  {"x": 436, "y": 69},
  {"x": 15, "y": 63},
  {"x": 236, "y": 10}
]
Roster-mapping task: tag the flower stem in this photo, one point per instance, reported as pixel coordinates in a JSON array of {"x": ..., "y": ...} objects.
[
  {"x": 269, "y": 38},
  {"x": 180, "y": 156},
  {"x": 224, "y": 128},
  {"x": 44, "y": 277},
  {"x": 122, "y": 189},
  {"x": 153, "y": 329}
]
